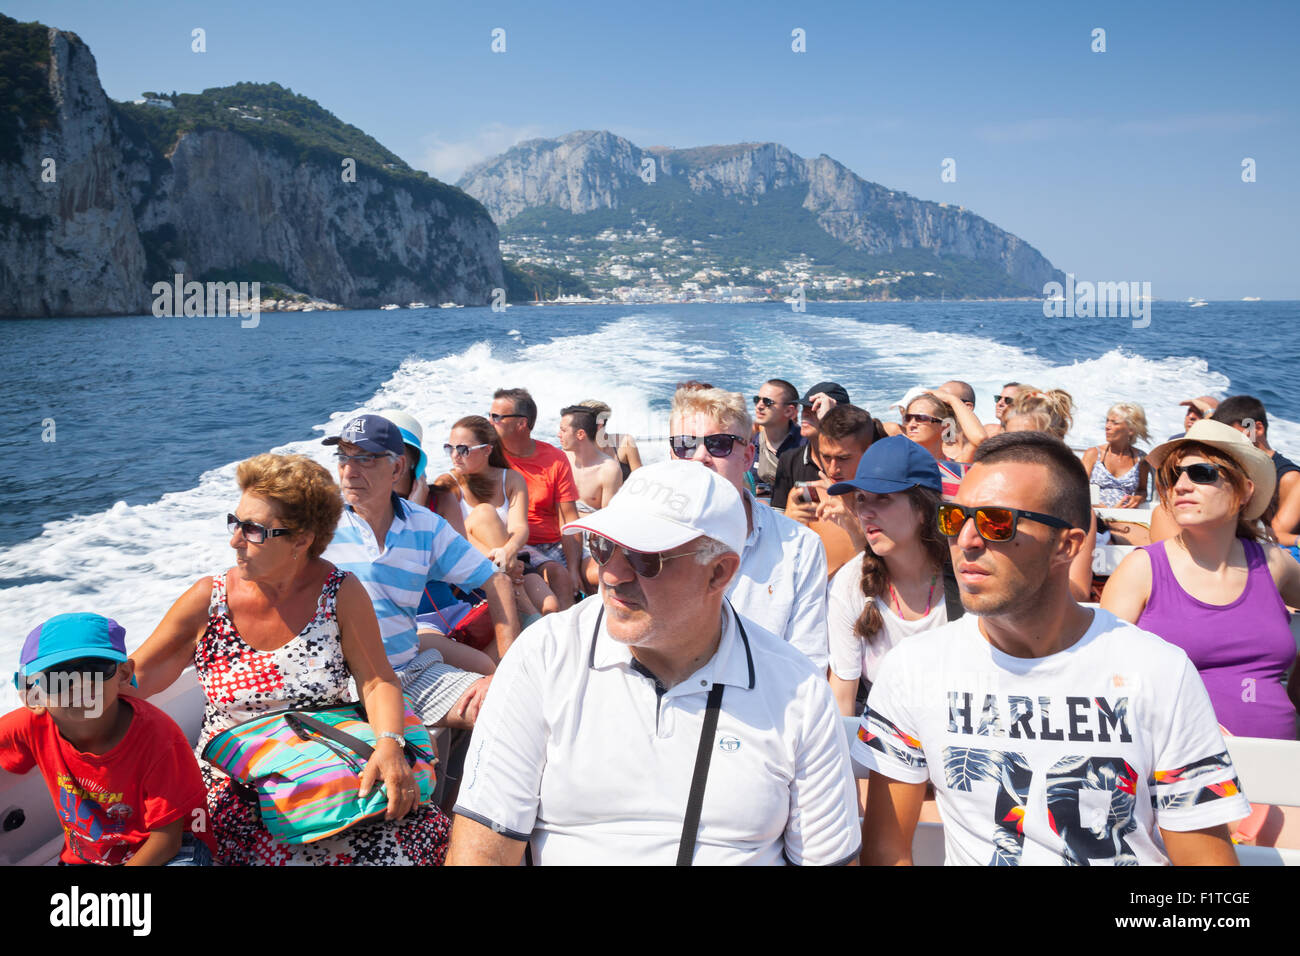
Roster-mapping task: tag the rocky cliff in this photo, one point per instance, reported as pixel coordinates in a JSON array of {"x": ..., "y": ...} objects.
[
  {"x": 253, "y": 192},
  {"x": 587, "y": 171}
]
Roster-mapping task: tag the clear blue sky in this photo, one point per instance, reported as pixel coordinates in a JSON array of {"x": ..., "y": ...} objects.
[{"x": 1123, "y": 165}]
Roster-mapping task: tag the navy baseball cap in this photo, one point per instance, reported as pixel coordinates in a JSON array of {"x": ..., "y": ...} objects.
[
  {"x": 371, "y": 433},
  {"x": 68, "y": 637},
  {"x": 892, "y": 464},
  {"x": 833, "y": 389}
]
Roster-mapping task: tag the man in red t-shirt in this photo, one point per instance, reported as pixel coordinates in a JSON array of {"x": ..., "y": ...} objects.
[
  {"x": 123, "y": 778},
  {"x": 552, "y": 493}
]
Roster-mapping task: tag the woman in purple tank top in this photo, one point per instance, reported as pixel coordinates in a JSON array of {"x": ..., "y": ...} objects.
[{"x": 1213, "y": 589}]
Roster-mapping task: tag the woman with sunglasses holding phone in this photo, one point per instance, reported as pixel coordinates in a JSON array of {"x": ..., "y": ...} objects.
[
  {"x": 493, "y": 502},
  {"x": 243, "y": 631},
  {"x": 896, "y": 588},
  {"x": 1214, "y": 589}
]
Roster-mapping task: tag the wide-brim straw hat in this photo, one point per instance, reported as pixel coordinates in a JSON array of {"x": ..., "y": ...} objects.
[{"x": 1256, "y": 464}]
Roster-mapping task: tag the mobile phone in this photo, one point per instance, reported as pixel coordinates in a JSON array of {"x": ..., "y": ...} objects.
[{"x": 810, "y": 494}]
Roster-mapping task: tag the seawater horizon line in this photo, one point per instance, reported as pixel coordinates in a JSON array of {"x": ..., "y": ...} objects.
[{"x": 321, "y": 313}]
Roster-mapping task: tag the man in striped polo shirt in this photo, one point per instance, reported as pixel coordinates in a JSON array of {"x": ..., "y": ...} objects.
[{"x": 418, "y": 547}]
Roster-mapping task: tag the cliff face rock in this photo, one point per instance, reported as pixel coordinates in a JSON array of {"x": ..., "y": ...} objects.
[
  {"x": 585, "y": 171},
  {"x": 124, "y": 213},
  {"x": 70, "y": 247},
  {"x": 580, "y": 172},
  {"x": 361, "y": 243}
]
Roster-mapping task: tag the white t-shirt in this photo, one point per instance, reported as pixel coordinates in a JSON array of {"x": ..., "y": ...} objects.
[
  {"x": 1075, "y": 758},
  {"x": 851, "y": 656},
  {"x": 575, "y": 750}
]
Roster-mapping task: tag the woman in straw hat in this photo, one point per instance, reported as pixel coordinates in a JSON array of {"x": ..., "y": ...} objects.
[{"x": 1214, "y": 589}]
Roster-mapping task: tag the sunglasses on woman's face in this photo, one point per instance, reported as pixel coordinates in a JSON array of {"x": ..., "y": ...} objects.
[
  {"x": 923, "y": 419},
  {"x": 718, "y": 446},
  {"x": 993, "y": 523},
  {"x": 253, "y": 532},
  {"x": 645, "y": 564},
  {"x": 462, "y": 450},
  {"x": 1199, "y": 473}
]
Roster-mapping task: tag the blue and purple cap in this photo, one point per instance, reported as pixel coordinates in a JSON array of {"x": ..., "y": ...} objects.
[
  {"x": 890, "y": 465},
  {"x": 372, "y": 433},
  {"x": 67, "y": 637}
]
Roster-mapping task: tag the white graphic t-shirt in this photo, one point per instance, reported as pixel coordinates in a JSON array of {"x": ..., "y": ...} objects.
[{"x": 1073, "y": 759}]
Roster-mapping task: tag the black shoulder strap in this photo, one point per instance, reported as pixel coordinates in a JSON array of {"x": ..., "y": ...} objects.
[
  {"x": 695, "y": 802},
  {"x": 951, "y": 594}
]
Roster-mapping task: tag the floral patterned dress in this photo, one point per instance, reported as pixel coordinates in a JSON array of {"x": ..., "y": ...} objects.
[{"x": 241, "y": 682}]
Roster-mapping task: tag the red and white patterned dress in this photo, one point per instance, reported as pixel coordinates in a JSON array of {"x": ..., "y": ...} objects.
[{"x": 241, "y": 682}]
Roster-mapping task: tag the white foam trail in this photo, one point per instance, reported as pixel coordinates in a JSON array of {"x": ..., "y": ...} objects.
[{"x": 132, "y": 562}]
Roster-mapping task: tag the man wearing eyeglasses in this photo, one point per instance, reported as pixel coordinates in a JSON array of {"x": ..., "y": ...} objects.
[
  {"x": 782, "y": 579},
  {"x": 776, "y": 408},
  {"x": 417, "y": 547},
  {"x": 654, "y": 723},
  {"x": 552, "y": 493},
  {"x": 796, "y": 466},
  {"x": 1053, "y": 733}
]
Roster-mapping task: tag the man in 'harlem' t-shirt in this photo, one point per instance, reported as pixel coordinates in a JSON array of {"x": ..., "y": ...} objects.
[{"x": 1053, "y": 733}]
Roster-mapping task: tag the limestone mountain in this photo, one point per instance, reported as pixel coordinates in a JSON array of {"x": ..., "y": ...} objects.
[
  {"x": 754, "y": 202},
  {"x": 99, "y": 200}
]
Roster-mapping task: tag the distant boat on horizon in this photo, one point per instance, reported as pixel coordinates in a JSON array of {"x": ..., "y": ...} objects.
[
  {"x": 1250, "y": 298},
  {"x": 389, "y": 307},
  {"x": 417, "y": 305}
]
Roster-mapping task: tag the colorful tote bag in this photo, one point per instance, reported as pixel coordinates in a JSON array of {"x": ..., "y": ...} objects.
[{"x": 305, "y": 768}]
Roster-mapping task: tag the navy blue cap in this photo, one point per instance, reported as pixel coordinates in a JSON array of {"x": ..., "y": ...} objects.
[
  {"x": 371, "y": 433},
  {"x": 832, "y": 389},
  {"x": 892, "y": 464}
]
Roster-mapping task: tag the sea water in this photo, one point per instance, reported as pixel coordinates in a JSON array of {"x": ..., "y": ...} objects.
[{"x": 126, "y": 506}]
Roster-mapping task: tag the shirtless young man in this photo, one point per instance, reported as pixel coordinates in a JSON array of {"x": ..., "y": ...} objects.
[{"x": 597, "y": 475}]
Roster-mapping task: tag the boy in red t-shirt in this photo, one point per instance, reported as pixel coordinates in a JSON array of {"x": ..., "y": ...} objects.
[{"x": 123, "y": 778}]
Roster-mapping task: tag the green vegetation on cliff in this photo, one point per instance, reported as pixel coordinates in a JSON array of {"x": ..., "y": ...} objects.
[
  {"x": 25, "y": 101},
  {"x": 759, "y": 235},
  {"x": 276, "y": 118},
  {"x": 527, "y": 282}
]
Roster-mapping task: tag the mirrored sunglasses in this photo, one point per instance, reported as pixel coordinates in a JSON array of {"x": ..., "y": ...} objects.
[{"x": 993, "y": 523}]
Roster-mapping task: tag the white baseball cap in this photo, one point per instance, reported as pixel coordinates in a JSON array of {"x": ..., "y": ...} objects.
[
  {"x": 664, "y": 505},
  {"x": 912, "y": 395}
]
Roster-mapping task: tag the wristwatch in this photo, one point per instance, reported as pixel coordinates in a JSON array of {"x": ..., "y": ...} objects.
[{"x": 401, "y": 741}]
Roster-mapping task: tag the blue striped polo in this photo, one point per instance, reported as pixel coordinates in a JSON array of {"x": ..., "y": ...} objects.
[{"x": 419, "y": 547}]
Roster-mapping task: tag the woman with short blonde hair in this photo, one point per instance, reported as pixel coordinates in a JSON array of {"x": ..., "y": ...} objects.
[{"x": 1118, "y": 468}]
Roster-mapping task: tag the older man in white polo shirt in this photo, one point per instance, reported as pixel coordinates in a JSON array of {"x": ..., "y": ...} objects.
[
  {"x": 781, "y": 583},
  {"x": 653, "y": 724}
]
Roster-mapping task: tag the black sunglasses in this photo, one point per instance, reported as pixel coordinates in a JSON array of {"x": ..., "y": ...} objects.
[
  {"x": 500, "y": 418},
  {"x": 768, "y": 402},
  {"x": 923, "y": 419},
  {"x": 992, "y": 522},
  {"x": 645, "y": 564},
  {"x": 254, "y": 533},
  {"x": 1200, "y": 473},
  {"x": 718, "y": 446}
]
